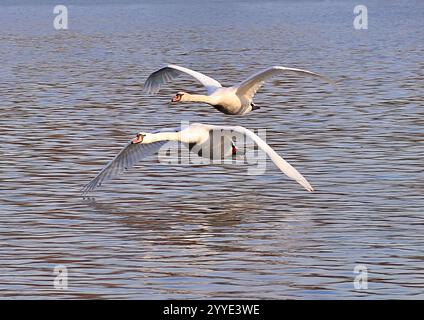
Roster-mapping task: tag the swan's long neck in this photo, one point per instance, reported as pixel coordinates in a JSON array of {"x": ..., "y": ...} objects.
[
  {"x": 197, "y": 98},
  {"x": 167, "y": 136}
]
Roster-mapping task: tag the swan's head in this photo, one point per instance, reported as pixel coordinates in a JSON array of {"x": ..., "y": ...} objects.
[
  {"x": 139, "y": 138},
  {"x": 178, "y": 97}
]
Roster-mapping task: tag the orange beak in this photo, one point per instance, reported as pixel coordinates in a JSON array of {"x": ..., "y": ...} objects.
[
  {"x": 137, "y": 139},
  {"x": 176, "y": 98}
]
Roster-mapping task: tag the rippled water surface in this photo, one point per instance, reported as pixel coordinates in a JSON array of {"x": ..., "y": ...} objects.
[{"x": 69, "y": 100}]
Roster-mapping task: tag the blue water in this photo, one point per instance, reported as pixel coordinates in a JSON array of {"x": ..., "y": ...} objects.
[{"x": 70, "y": 99}]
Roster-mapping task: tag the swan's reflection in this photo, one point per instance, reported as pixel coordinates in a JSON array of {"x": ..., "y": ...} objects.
[{"x": 204, "y": 223}]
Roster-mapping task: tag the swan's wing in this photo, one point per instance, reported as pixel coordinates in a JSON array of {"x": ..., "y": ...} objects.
[
  {"x": 282, "y": 164},
  {"x": 249, "y": 86},
  {"x": 165, "y": 75},
  {"x": 125, "y": 159}
]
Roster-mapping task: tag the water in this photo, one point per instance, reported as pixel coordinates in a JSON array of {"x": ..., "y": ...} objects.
[{"x": 70, "y": 99}]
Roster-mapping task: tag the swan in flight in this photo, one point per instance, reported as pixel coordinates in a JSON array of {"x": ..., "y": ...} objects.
[
  {"x": 235, "y": 100},
  {"x": 198, "y": 137}
]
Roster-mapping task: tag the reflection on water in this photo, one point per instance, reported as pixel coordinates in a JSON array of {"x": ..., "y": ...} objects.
[{"x": 70, "y": 100}]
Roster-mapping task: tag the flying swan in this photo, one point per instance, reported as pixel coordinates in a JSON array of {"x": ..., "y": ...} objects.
[
  {"x": 235, "y": 100},
  {"x": 196, "y": 137}
]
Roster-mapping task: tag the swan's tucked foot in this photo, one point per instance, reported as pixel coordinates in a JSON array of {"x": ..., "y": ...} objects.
[
  {"x": 254, "y": 106},
  {"x": 138, "y": 138}
]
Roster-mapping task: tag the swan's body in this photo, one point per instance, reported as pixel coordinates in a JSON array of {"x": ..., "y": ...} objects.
[
  {"x": 198, "y": 138},
  {"x": 235, "y": 100}
]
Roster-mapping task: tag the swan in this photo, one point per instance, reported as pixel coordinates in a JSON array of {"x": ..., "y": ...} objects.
[
  {"x": 197, "y": 137},
  {"x": 235, "y": 100}
]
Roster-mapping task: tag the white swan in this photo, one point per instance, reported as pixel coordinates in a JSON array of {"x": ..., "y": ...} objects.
[
  {"x": 197, "y": 137},
  {"x": 235, "y": 100}
]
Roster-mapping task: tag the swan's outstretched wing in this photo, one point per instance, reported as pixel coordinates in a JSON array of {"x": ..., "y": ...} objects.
[
  {"x": 249, "y": 86},
  {"x": 282, "y": 164},
  {"x": 125, "y": 159},
  {"x": 165, "y": 75}
]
